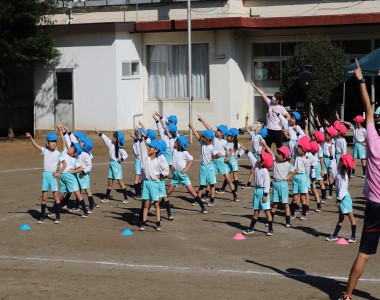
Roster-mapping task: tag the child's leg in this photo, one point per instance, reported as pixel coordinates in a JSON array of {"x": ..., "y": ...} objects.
[
  {"x": 171, "y": 189},
  {"x": 230, "y": 184},
  {"x": 158, "y": 214},
  {"x": 167, "y": 207},
  {"x": 207, "y": 192},
  {"x": 81, "y": 203},
  {"x": 108, "y": 191},
  {"x": 145, "y": 209},
  {"x": 331, "y": 183},
  {"x": 91, "y": 202},
  {"x": 353, "y": 227},
  {"x": 338, "y": 226},
  {"x": 200, "y": 190},
  {"x": 212, "y": 195},
  {"x": 364, "y": 164},
  {"x": 65, "y": 199},
  {"x": 307, "y": 201},
  {"x": 44, "y": 198},
  {"x": 323, "y": 190},
  {"x": 137, "y": 183},
  {"x": 57, "y": 206},
  {"x": 250, "y": 178},
  {"x": 287, "y": 214},
  {"x": 293, "y": 206},
  {"x": 304, "y": 206},
  {"x": 270, "y": 222},
  {"x": 124, "y": 189},
  {"x": 236, "y": 181},
  {"x": 198, "y": 199},
  {"x": 317, "y": 199},
  {"x": 251, "y": 227}
]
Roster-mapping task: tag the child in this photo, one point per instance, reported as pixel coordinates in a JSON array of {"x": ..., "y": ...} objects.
[
  {"x": 292, "y": 130},
  {"x": 207, "y": 170},
  {"x": 221, "y": 145},
  {"x": 360, "y": 134},
  {"x": 330, "y": 167},
  {"x": 313, "y": 157},
  {"x": 152, "y": 170},
  {"x": 234, "y": 152},
  {"x": 319, "y": 137},
  {"x": 261, "y": 196},
  {"x": 52, "y": 157},
  {"x": 344, "y": 201},
  {"x": 258, "y": 134},
  {"x": 301, "y": 179},
  {"x": 340, "y": 141},
  {"x": 160, "y": 121},
  {"x": 182, "y": 161},
  {"x": 283, "y": 171},
  {"x": 117, "y": 156}
]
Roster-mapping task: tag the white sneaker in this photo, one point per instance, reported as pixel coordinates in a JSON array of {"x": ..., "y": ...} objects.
[
  {"x": 105, "y": 200},
  {"x": 329, "y": 197},
  {"x": 125, "y": 201}
]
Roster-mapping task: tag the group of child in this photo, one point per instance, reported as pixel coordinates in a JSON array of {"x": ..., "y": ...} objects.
[{"x": 321, "y": 158}]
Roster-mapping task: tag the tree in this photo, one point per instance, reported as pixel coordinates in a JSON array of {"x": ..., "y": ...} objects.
[
  {"x": 322, "y": 55},
  {"x": 25, "y": 42}
]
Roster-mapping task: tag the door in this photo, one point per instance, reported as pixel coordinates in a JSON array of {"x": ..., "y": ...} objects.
[{"x": 64, "y": 97}]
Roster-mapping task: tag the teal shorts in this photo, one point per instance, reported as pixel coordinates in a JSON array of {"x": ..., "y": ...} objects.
[
  {"x": 280, "y": 191},
  {"x": 84, "y": 181},
  {"x": 179, "y": 178},
  {"x": 162, "y": 189},
  {"x": 68, "y": 183},
  {"x": 150, "y": 191},
  {"x": 300, "y": 184},
  {"x": 345, "y": 206},
  {"x": 326, "y": 162},
  {"x": 318, "y": 171},
  {"x": 207, "y": 174},
  {"x": 337, "y": 157},
  {"x": 220, "y": 166},
  {"x": 137, "y": 166},
  {"x": 232, "y": 165},
  {"x": 49, "y": 182},
  {"x": 169, "y": 156},
  {"x": 258, "y": 203},
  {"x": 359, "y": 151},
  {"x": 115, "y": 171}
]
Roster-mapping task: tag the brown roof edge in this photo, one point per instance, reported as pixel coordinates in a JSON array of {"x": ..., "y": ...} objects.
[{"x": 93, "y": 28}]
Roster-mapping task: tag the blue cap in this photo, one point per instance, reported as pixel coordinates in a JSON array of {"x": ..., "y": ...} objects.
[
  {"x": 121, "y": 138},
  {"x": 151, "y": 134},
  {"x": 79, "y": 135},
  {"x": 173, "y": 119},
  {"x": 233, "y": 132},
  {"x": 87, "y": 144},
  {"x": 172, "y": 129},
  {"x": 142, "y": 131},
  {"x": 78, "y": 147},
  {"x": 155, "y": 144},
  {"x": 209, "y": 134},
  {"x": 296, "y": 115},
  {"x": 223, "y": 129},
  {"x": 51, "y": 136},
  {"x": 183, "y": 141},
  {"x": 163, "y": 147},
  {"x": 263, "y": 132}
]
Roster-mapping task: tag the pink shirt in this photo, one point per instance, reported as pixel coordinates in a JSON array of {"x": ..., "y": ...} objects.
[
  {"x": 274, "y": 122},
  {"x": 372, "y": 182}
]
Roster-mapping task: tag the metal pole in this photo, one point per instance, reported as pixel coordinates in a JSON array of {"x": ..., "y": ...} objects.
[
  {"x": 189, "y": 81},
  {"x": 344, "y": 101}
]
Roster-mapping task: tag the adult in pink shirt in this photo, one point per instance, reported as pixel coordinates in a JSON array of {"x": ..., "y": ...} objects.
[
  {"x": 371, "y": 227},
  {"x": 274, "y": 123}
]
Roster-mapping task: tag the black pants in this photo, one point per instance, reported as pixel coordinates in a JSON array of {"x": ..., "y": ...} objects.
[{"x": 274, "y": 136}]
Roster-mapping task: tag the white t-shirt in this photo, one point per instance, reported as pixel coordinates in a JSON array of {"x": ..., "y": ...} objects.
[
  {"x": 180, "y": 159},
  {"x": 282, "y": 169},
  {"x": 274, "y": 122},
  {"x": 111, "y": 149},
  {"x": 207, "y": 153},
  {"x": 51, "y": 159},
  {"x": 359, "y": 134},
  {"x": 221, "y": 146}
]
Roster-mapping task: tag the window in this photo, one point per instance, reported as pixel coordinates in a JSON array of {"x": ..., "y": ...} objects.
[
  {"x": 357, "y": 47},
  {"x": 267, "y": 70},
  {"x": 130, "y": 69},
  {"x": 64, "y": 80},
  {"x": 266, "y": 49},
  {"x": 168, "y": 71}
]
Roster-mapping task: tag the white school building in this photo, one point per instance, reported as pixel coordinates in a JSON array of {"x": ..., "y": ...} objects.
[{"x": 124, "y": 59}]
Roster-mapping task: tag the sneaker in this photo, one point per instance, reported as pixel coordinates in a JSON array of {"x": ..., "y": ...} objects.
[
  {"x": 292, "y": 216},
  {"x": 288, "y": 225},
  {"x": 236, "y": 199},
  {"x": 204, "y": 199},
  {"x": 220, "y": 191},
  {"x": 345, "y": 297},
  {"x": 296, "y": 212},
  {"x": 85, "y": 215},
  {"x": 57, "y": 221},
  {"x": 195, "y": 203},
  {"x": 332, "y": 238},
  {"x": 158, "y": 226},
  {"x": 352, "y": 175},
  {"x": 303, "y": 217},
  {"x": 96, "y": 205},
  {"x": 74, "y": 209},
  {"x": 142, "y": 227},
  {"x": 247, "y": 186},
  {"x": 318, "y": 209},
  {"x": 105, "y": 200},
  {"x": 362, "y": 176},
  {"x": 91, "y": 210},
  {"x": 329, "y": 197},
  {"x": 266, "y": 225},
  {"x": 138, "y": 197},
  {"x": 64, "y": 206},
  {"x": 170, "y": 218},
  {"x": 51, "y": 214},
  {"x": 352, "y": 240},
  {"x": 248, "y": 231},
  {"x": 307, "y": 212},
  {"x": 204, "y": 211},
  {"x": 210, "y": 204},
  {"x": 323, "y": 201},
  {"x": 270, "y": 233},
  {"x": 41, "y": 220},
  {"x": 125, "y": 201}
]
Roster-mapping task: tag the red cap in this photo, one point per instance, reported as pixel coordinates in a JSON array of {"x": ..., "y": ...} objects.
[
  {"x": 304, "y": 143},
  {"x": 337, "y": 124},
  {"x": 342, "y": 129},
  {"x": 331, "y": 131},
  {"x": 268, "y": 159},
  {"x": 314, "y": 147},
  {"x": 359, "y": 119},
  {"x": 284, "y": 150},
  {"x": 348, "y": 161},
  {"x": 319, "y": 136}
]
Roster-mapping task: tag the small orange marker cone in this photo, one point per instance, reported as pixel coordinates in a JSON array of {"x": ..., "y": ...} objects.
[
  {"x": 341, "y": 241},
  {"x": 239, "y": 237}
]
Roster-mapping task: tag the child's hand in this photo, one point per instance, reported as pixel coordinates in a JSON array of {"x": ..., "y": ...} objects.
[
  {"x": 28, "y": 135},
  {"x": 132, "y": 135},
  {"x": 262, "y": 142},
  {"x": 274, "y": 110},
  {"x": 199, "y": 118},
  {"x": 253, "y": 84},
  {"x": 246, "y": 117},
  {"x": 326, "y": 122},
  {"x": 337, "y": 115},
  {"x": 190, "y": 124},
  {"x": 330, "y": 150},
  {"x": 55, "y": 174},
  {"x": 264, "y": 199},
  {"x": 316, "y": 117},
  {"x": 97, "y": 131},
  {"x": 140, "y": 124}
]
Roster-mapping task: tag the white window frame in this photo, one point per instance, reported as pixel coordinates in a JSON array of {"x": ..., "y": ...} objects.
[{"x": 130, "y": 75}]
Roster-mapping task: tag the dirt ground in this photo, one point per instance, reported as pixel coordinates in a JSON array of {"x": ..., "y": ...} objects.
[{"x": 194, "y": 257}]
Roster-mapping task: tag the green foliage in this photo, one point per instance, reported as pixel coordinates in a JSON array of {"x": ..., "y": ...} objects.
[
  {"x": 328, "y": 62},
  {"x": 24, "y": 42}
]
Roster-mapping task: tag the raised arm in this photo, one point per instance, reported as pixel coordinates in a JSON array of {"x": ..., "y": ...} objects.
[
  {"x": 306, "y": 126},
  {"x": 206, "y": 124},
  {"x": 61, "y": 129},
  {"x": 246, "y": 124},
  {"x": 194, "y": 131},
  {"x": 269, "y": 150},
  {"x": 261, "y": 92},
  {"x": 364, "y": 94},
  {"x": 29, "y": 136}
]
